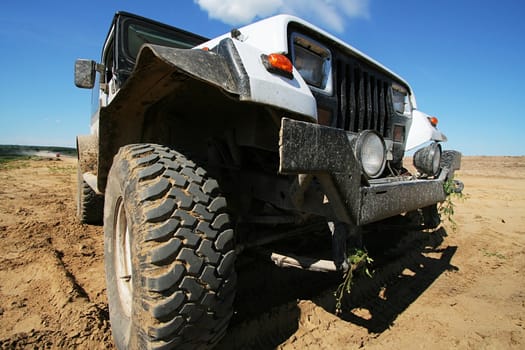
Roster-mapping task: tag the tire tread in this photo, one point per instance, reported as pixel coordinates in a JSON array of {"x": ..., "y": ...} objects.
[{"x": 186, "y": 251}]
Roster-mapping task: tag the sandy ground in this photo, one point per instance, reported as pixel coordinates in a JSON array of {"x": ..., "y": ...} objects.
[{"x": 450, "y": 289}]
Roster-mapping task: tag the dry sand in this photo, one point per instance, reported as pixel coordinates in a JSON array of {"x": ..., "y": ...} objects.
[{"x": 455, "y": 289}]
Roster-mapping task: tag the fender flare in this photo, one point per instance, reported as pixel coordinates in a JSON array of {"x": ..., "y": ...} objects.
[{"x": 158, "y": 71}]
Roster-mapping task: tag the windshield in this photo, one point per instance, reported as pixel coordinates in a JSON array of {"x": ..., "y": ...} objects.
[{"x": 138, "y": 34}]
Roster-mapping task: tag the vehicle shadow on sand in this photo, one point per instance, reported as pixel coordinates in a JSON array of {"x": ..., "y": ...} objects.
[
  {"x": 376, "y": 302},
  {"x": 267, "y": 306}
]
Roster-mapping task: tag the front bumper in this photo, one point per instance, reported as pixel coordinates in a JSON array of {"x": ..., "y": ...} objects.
[{"x": 328, "y": 153}]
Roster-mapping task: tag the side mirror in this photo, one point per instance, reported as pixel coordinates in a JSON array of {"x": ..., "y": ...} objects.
[{"x": 85, "y": 73}]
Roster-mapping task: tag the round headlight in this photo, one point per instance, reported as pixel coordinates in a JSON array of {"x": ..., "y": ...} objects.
[
  {"x": 428, "y": 159},
  {"x": 371, "y": 151}
]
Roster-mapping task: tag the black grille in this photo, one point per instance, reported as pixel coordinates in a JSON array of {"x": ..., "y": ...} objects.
[{"x": 364, "y": 98}]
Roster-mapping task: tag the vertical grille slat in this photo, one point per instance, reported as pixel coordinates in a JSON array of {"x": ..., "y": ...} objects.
[
  {"x": 382, "y": 108},
  {"x": 343, "y": 92},
  {"x": 360, "y": 100},
  {"x": 375, "y": 105},
  {"x": 352, "y": 115},
  {"x": 363, "y": 96},
  {"x": 369, "y": 111},
  {"x": 389, "y": 106}
]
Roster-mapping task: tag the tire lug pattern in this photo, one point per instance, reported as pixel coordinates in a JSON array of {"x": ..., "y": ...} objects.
[
  {"x": 200, "y": 171},
  {"x": 206, "y": 229},
  {"x": 226, "y": 265},
  {"x": 164, "y": 231},
  {"x": 202, "y": 212},
  {"x": 155, "y": 191},
  {"x": 185, "y": 270},
  {"x": 139, "y": 151},
  {"x": 186, "y": 219},
  {"x": 167, "y": 329},
  {"x": 208, "y": 276},
  {"x": 209, "y": 300},
  {"x": 192, "y": 261},
  {"x": 211, "y": 186},
  {"x": 206, "y": 249},
  {"x": 168, "y": 305},
  {"x": 162, "y": 211},
  {"x": 165, "y": 281},
  {"x": 172, "y": 165},
  {"x": 224, "y": 238},
  {"x": 177, "y": 179},
  {"x": 192, "y": 312},
  {"x": 165, "y": 250},
  {"x": 193, "y": 288},
  {"x": 185, "y": 162},
  {"x": 149, "y": 159},
  {"x": 217, "y": 204},
  {"x": 191, "y": 175},
  {"x": 166, "y": 156},
  {"x": 190, "y": 239},
  {"x": 183, "y": 200},
  {"x": 150, "y": 172},
  {"x": 220, "y": 221},
  {"x": 197, "y": 194}
]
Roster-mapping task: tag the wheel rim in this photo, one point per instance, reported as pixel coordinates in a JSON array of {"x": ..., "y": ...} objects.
[{"x": 123, "y": 258}]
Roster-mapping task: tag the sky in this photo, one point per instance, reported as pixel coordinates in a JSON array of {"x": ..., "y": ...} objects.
[{"x": 464, "y": 59}]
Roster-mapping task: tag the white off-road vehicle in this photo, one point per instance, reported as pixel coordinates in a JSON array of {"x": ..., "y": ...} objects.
[{"x": 202, "y": 150}]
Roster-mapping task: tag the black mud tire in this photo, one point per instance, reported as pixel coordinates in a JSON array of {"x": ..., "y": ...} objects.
[
  {"x": 169, "y": 252},
  {"x": 90, "y": 205}
]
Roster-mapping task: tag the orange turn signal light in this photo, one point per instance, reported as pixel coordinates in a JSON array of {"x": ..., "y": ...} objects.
[
  {"x": 433, "y": 120},
  {"x": 279, "y": 64}
]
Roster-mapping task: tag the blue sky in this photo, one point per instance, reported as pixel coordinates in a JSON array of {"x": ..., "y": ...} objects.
[{"x": 464, "y": 59}]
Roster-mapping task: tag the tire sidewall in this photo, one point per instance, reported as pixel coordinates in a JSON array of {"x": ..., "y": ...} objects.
[{"x": 121, "y": 324}]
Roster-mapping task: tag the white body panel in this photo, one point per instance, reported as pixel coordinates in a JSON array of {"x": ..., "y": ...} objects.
[
  {"x": 94, "y": 126},
  {"x": 272, "y": 89},
  {"x": 422, "y": 131},
  {"x": 271, "y": 36}
]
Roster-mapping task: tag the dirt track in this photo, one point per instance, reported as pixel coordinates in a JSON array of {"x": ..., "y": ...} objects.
[{"x": 462, "y": 289}]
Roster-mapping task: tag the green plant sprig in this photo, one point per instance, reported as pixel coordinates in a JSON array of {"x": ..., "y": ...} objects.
[
  {"x": 447, "y": 208},
  {"x": 358, "y": 261}
]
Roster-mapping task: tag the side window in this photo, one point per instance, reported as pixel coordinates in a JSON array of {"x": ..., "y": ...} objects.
[
  {"x": 100, "y": 90},
  {"x": 107, "y": 82},
  {"x": 109, "y": 61}
]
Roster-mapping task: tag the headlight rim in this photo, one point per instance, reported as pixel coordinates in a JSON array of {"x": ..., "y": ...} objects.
[
  {"x": 427, "y": 160},
  {"x": 358, "y": 152}
]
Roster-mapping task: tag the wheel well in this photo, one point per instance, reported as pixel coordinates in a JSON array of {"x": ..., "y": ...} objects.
[{"x": 190, "y": 118}]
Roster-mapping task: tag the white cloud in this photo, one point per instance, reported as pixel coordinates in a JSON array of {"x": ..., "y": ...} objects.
[
  {"x": 239, "y": 11},
  {"x": 331, "y": 14}
]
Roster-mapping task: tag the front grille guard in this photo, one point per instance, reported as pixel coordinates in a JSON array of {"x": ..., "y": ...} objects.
[{"x": 307, "y": 148}]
